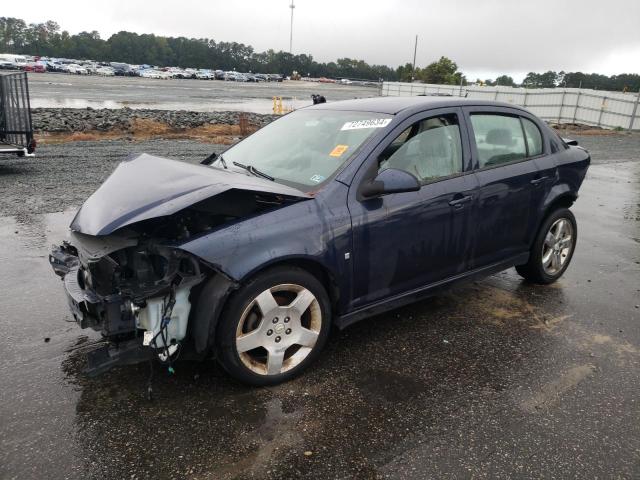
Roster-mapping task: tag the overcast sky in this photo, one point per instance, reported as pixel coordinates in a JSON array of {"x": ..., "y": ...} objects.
[{"x": 485, "y": 37}]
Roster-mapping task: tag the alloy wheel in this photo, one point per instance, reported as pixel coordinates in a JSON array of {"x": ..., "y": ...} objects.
[
  {"x": 557, "y": 246},
  {"x": 278, "y": 329}
]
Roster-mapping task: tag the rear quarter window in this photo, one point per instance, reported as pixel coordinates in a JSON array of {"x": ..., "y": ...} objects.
[
  {"x": 533, "y": 137},
  {"x": 556, "y": 143}
]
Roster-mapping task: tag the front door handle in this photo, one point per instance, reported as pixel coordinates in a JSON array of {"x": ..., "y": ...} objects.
[
  {"x": 538, "y": 181},
  {"x": 459, "y": 202}
]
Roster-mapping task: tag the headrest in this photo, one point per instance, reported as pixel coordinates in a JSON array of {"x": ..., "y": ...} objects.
[{"x": 499, "y": 136}]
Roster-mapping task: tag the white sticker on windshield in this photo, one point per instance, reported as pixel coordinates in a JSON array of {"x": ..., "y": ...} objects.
[{"x": 370, "y": 123}]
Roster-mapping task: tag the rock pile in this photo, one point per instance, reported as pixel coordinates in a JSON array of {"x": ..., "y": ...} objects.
[{"x": 89, "y": 119}]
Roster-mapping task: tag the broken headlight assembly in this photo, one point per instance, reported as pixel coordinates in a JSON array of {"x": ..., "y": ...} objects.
[{"x": 141, "y": 290}]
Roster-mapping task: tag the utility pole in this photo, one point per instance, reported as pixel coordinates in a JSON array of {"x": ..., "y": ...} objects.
[
  {"x": 413, "y": 68},
  {"x": 292, "y": 6}
]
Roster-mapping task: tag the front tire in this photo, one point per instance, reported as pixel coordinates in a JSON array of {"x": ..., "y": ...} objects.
[
  {"x": 274, "y": 326},
  {"x": 552, "y": 249}
]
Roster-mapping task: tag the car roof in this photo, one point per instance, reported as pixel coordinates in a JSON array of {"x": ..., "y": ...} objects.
[{"x": 395, "y": 105}]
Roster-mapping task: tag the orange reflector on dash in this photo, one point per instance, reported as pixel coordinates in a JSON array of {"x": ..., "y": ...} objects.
[{"x": 339, "y": 150}]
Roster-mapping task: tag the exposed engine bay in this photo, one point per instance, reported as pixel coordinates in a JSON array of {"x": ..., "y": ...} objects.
[{"x": 136, "y": 286}]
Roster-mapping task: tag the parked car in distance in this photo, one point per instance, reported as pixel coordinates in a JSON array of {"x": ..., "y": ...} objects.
[
  {"x": 17, "y": 62},
  {"x": 326, "y": 216},
  {"x": 153, "y": 73},
  {"x": 235, "y": 77},
  {"x": 35, "y": 68},
  {"x": 105, "y": 71},
  {"x": 205, "y": 75},
  {"x": 91, "y": 67},
  {"x": 54, "y": 66},
  {"x": 76, "y": 69},
  {"x": 122, "y": 69}
]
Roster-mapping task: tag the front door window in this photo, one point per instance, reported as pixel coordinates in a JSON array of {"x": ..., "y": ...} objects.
[{"x": 429, "y": 149}]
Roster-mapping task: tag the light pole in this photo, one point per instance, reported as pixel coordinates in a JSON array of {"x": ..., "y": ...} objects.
[
  {"x": 413, "y": 67},
  {"x": 292, "y": 6}
]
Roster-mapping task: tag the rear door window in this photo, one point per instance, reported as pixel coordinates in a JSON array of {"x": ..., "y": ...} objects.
[{"x": 499, "y": 139}]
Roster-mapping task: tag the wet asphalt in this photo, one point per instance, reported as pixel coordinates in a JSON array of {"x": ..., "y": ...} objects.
[{"x": 494, "y": 379}]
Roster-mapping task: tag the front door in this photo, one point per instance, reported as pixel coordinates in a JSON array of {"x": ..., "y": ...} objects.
[{"x": 404, "y": 241}]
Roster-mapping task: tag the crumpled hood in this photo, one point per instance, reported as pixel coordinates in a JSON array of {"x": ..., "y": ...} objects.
[{"x": 146, "y": 186}]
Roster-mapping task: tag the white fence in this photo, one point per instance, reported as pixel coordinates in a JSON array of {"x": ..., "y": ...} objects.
[{"x": 555, "y": 105}]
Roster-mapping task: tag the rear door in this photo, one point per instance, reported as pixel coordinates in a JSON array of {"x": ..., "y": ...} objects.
[{"x": 509, "y": 181}]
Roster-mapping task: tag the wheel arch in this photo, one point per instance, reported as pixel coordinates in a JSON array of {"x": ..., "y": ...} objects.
[
  {"x": 561, "y": 197},
  {"x": 563, "y": 200},
  {"x": 311, "y": 265},
  {"x": 214, "y": 294}
]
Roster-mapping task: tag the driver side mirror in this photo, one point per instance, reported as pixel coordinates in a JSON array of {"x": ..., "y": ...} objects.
[{"x": 389, "y": 181}]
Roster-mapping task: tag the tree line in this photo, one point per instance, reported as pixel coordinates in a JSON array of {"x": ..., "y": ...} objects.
[
  {"x": 623, "y": 82},
  {"x": 46, "y": 39}
]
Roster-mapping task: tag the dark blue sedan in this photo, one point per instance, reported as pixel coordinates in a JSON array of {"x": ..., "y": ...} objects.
[{"x": 326, "y": 216}]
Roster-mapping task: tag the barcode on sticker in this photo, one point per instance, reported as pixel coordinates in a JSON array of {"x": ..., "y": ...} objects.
[{"x": 371, "y": 123}]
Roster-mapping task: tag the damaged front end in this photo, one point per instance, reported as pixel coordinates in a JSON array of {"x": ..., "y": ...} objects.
[
  {"x": 123, "y": 270},
  {"x": 135, "y": 292}
]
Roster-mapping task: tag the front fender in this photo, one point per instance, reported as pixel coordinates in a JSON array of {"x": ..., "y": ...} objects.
[{"x": 315, "y": 229}]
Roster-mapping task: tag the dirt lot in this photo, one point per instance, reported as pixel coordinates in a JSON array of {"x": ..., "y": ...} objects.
[
  {"x": 78, "y": 91},
  {"x": 497, "y": 379}
]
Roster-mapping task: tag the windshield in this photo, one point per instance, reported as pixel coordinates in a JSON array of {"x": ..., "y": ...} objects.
[{"x": 307, "y": 147}]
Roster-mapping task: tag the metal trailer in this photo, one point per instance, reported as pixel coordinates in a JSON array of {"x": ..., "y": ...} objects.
[{"x": 16, "y": 126}]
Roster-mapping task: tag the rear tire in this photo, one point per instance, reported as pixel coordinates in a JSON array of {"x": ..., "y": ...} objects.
[
  {"x": 552, "y": 249},
  {"x": 274, "y": 326}
]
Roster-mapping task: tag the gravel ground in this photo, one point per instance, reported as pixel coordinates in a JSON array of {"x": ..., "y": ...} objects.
[
  {"x": 70, "y": 120},
  {"x": 62, "y": 176}
]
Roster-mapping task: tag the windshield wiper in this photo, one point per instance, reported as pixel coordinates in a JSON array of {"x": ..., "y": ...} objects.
[
  {"x": 213, "y": 158},
  {"x": 253, "y": 170},
  {"x": 224, "y": 164}
]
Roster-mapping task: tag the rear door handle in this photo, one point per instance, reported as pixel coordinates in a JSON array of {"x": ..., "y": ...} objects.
[
  {"x": 459, "y": 202},
  {"x": 538, "y": 181}
]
